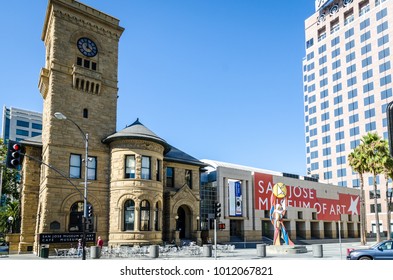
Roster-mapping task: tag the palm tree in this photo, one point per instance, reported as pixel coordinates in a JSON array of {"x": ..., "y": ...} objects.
[
  {"x": 377, "y": 152},
  {"x": 357, "y": 161},
  {"x": 388, "y": 172}
]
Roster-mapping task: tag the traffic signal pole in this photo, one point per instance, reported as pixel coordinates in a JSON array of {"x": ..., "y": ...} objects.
[
  {"x": 217, "y": 214},
  {"x": 86, "y": 136},
  {"x": 215, "y": 238}
]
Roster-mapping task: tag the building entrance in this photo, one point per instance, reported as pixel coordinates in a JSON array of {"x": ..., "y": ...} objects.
[
  {"x": 236, "y": 230},
  {"x": 184, "y": 222}
]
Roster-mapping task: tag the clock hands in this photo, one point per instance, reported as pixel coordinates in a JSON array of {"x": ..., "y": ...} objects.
[{"x": 87, "y": 47}]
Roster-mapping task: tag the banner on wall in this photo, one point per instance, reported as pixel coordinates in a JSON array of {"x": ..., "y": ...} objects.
[
  {"x": 302, "y": 197},
  {"x": 235, "y": 198}
]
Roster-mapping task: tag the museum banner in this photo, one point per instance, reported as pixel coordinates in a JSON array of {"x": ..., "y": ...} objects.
[{"x": 328, "y": 209}]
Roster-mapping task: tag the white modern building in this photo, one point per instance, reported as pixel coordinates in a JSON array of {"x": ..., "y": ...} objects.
[
  {"x": 19, "y": 124},
  {"x": 347, "y": 75},
  {"x": 315, "y": 210}
]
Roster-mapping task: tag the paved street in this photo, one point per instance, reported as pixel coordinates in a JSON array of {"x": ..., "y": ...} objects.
[{"x": 239, "y": 262}]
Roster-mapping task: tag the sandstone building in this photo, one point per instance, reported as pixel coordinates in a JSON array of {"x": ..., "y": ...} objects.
[{"x": 140, "y": 188}]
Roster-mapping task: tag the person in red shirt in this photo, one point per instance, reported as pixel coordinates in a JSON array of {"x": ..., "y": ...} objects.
[{"x": 100, "y": 242}]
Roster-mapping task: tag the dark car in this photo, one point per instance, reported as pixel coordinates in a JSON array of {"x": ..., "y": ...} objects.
[
  {"x": 380, "y": 251},
  {"x": 4, "y": 248}
]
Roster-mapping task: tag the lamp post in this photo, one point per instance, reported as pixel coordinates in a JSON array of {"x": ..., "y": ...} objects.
[
  {"x": 198, "y": 225},
  {"x": 60, "y": 116},
  {"x": 177, "y": 222}
]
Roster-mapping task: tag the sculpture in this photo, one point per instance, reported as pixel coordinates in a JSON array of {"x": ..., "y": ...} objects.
[{"x": 277, "y": 212}]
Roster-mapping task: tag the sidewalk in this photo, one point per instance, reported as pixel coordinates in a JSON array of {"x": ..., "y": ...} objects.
[{"x": 330, "y": 251}]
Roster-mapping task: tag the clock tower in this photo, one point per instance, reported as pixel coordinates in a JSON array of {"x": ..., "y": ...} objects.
[{"x": 79, "y": 81}]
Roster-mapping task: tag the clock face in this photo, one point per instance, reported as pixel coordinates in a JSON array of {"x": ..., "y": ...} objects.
[{"x": 87, "y": 47}]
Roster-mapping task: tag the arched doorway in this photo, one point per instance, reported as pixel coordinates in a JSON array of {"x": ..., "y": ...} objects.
[
  {"x": 76, "y": 218},
  {"x": 184, "y": 222}
]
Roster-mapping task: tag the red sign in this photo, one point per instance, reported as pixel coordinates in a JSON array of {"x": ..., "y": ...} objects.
[{"x": 327, "y": 209}]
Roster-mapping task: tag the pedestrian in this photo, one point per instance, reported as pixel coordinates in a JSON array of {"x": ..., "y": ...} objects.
[
  {"x": 79, "y": 250},
  {"x": 100, "y": 242}
]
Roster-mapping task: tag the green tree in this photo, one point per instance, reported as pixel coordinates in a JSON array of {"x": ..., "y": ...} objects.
[
  {"x": 10, "y": 217},
  {"x": 357, "y": 160},
  {"x": 377, "y": 153},
  {"x": 9, "y": 189}
]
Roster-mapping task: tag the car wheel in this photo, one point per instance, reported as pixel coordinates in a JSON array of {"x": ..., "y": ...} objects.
[{"x": 364, "y": 258}]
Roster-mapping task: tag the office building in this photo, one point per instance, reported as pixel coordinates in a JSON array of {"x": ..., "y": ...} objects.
[
  {"x": 347, "y": 79},
  {"x": 19, "y": 124}
]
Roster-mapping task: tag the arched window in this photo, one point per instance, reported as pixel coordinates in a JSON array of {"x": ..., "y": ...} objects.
[
  {"x": 145, "y": 215},
  {"x": 129, "y": 215}
]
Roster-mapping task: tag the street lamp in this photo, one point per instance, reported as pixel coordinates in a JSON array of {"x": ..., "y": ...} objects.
[
  {"x": 177, "y": 222},
  {"x": 60, "y": 116},
  {"x": 197, "y": 223},
  {"x": 10, "y": 221}
]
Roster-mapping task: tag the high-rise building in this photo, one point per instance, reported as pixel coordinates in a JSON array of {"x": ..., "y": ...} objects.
[
  {"x": 20, "y": 124},
  {"x": 347, "y": 76}
]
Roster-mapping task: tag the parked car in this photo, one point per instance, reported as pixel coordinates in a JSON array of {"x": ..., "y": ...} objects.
[
  {"x": 4, "y": 248},
  {"x": 380, "y": 251}
]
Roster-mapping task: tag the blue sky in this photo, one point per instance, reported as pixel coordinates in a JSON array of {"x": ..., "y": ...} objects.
[{"x": 223, "y": 78}]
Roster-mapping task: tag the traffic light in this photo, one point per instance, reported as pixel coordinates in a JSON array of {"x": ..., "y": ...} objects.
[
  {"x": 89, "y": 211},
  {"x": 389, "y": 114},
  {"x": 14, "y": 155},
  {"x": 217, "y": 209}
]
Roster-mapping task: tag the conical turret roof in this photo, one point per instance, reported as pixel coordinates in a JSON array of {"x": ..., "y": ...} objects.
[{"x": 136, "y": 131}]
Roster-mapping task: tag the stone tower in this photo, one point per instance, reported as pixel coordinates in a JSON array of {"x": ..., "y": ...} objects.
[{"x": 79, "y": 80}]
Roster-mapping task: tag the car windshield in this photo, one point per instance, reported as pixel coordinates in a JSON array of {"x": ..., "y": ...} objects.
[{"x": 376, "y": 245}]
